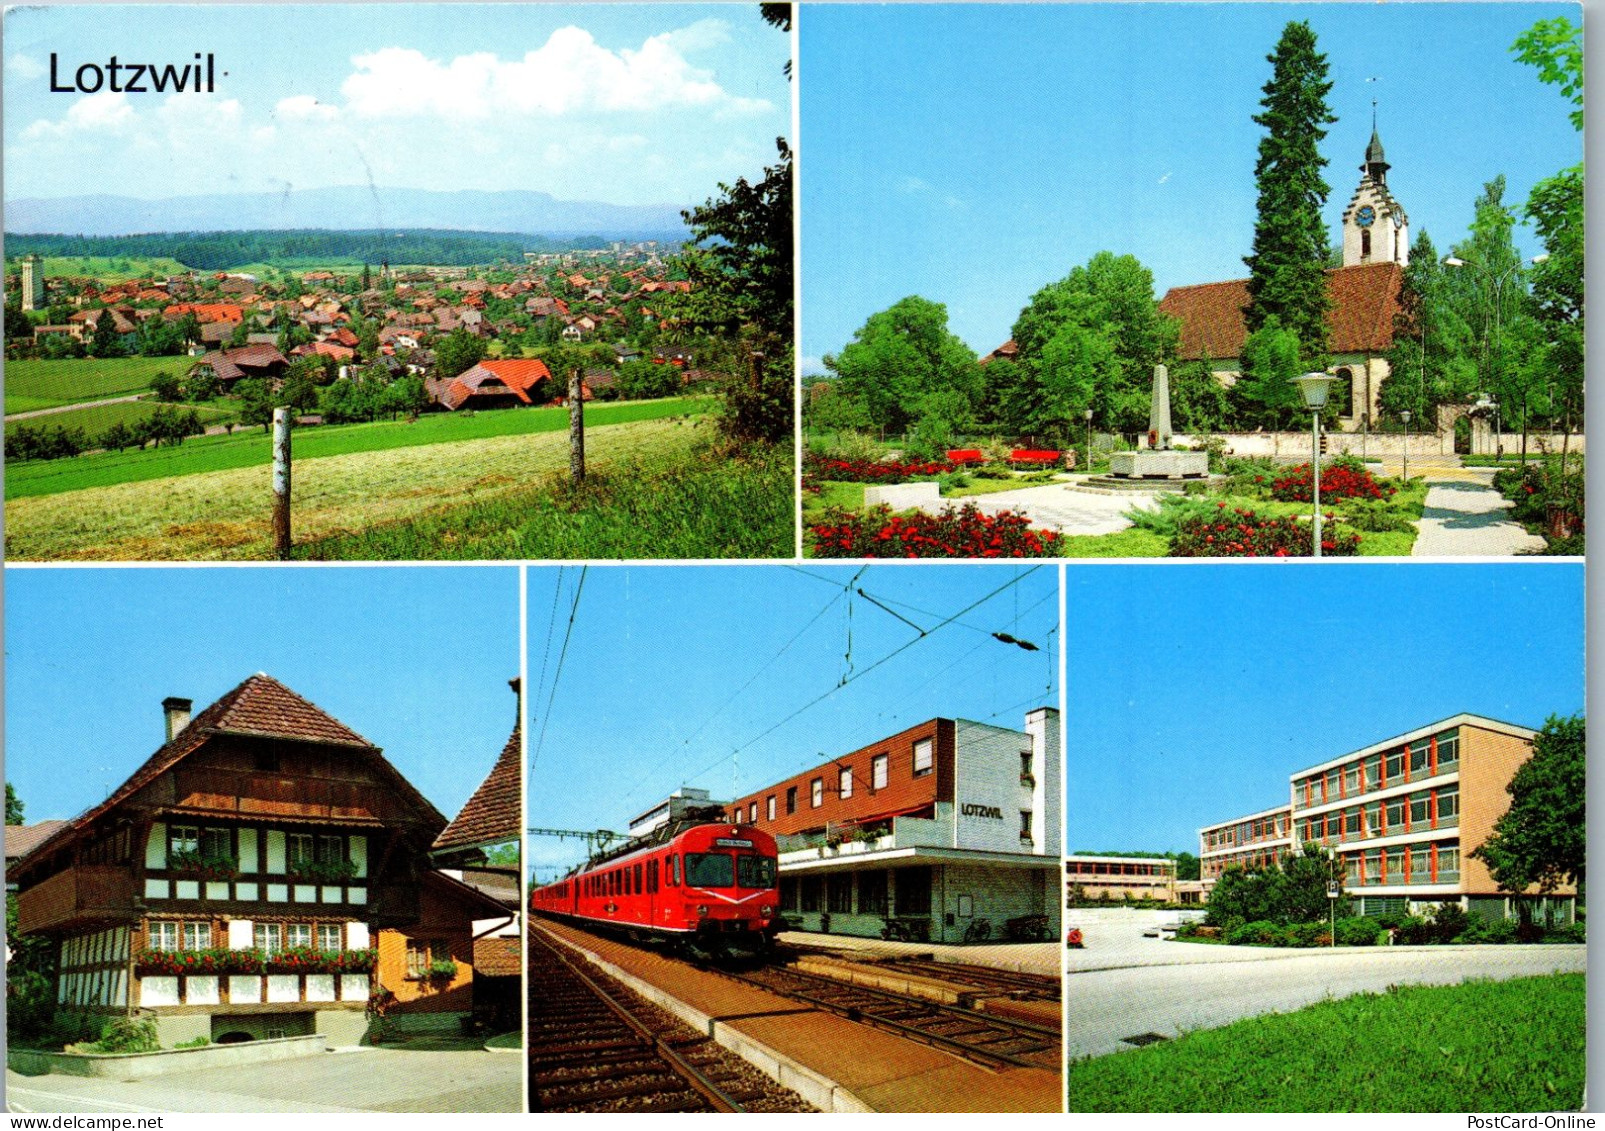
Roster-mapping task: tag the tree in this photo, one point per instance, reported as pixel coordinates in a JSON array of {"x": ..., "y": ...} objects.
[
  {"x": 1432, "y": 361},
  {"x": 1187, "y": 866},
  {"x": 899, "y": 355},
  {"x": 256, "y": 401},
  {"x": 107, "y": 342},
  {"x": 1265, "y": 393},
  {"x": 1294, "y": 892},
  {"x": 1287, "y": 276},
  {"x": 14, "y": 806},
  {"x": 1542, "y": 837},
  {"x": 458, "y": 352},
  {"x": 1555, "y": 47},
  {"x": 167, "y": 387}
]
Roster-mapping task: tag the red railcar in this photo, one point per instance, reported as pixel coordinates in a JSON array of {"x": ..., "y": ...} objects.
[{"x": 713, "y": 887}]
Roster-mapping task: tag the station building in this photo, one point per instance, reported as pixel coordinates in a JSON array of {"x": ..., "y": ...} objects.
[
  {"x": 1404, "y": 816},
  {"x": 940, "y": 826}
]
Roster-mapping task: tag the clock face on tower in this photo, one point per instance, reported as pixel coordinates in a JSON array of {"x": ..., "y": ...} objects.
[{"x": 1366, "y": 216}]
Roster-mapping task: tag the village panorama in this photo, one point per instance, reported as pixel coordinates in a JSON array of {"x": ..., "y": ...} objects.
[{"x": 430, "y": 378}]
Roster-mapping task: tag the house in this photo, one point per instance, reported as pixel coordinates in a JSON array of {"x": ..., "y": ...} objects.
[
  {"x": 491, "y": 384},
  {"x": 238, "y": 883},
  {"x": 230, "y": 365},
  {"x": 23, "y": 839},
  {"x": 941, "y": 825}
]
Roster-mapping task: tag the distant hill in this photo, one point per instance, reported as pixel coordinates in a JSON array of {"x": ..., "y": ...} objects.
[{"x": 345, "y": 208}]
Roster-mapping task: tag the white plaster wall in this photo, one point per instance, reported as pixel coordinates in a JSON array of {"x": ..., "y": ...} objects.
[
  {"x": 159, "y": 989},
  {"x": 987, "y": 773},
  {"x": 201, "y": 989},
  {"x": 284, "y": 987},
  {"x": 245, "y": 987},
  {"x": 320, "y": 987}
]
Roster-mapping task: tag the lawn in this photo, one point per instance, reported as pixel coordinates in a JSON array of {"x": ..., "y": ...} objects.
[
  {"x": 252, "y": 447},
  {"x": 1511, "y": 1046},
  {"x": 39, "y": 383},
  {"x": 97, "y": 419},
  {"x": 224, "y": 514},
  {"x": 109, "y": 269}
]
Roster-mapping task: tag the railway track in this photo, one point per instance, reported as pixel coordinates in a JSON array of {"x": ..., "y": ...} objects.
[
  {"x": 594, "y": 1046},
  {"x": 1022, "y": 987},
  {"x": 991, "y": 1041}
]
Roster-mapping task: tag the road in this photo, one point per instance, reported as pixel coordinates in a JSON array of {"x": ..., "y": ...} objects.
[
  {"x": 69, "y": 408},
  {"x": 1171, "y": 988},
  {"x": 397, "y": 1079}
]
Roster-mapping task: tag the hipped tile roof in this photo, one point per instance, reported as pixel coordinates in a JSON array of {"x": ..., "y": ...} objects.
[{"x": 1364, "y": 300}]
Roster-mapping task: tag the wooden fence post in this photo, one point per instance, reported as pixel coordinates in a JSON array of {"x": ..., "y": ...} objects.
[
  {"x": 576, "y": 428},
  {"x": 281, "y": 484}
]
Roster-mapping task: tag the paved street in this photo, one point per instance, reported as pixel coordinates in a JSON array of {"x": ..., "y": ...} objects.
[
  {"x": 1468, "y": 518},
  {"x": 1059, "y": 507},
  {"x": 1170, "y": 988},
  {"x": 350, "y": 1080}
]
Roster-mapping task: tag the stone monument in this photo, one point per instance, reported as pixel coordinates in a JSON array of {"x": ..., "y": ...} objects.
[{"x": 1159, "y": 460}]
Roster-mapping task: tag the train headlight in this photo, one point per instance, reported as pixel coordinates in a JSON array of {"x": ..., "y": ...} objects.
[
  {"x": 702, "y": 911},
  {"x": 765, "y": 911}
]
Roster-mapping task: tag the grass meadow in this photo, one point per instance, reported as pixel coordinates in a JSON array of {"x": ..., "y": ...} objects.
[
  {"x": 1512, "y": 1046},
  {"x": 37, "y": 383},
  {"x": 97, "y": 418},
  {"x": 252, "y": 447}
]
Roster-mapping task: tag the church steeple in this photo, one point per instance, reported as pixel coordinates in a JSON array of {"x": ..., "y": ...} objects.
[
  {"x": 1375, "y": 227},
  {"x": 1376, "y": 165}
]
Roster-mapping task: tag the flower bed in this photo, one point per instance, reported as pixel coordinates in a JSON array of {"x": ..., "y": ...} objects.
[
  {"x": 1241, "y": 533},
  {"x": 871, "y": 471},
  {"x": 962, "y": 533},
  {"x": 1340, "y": 481},
  {"x": 250, "y": 960}
]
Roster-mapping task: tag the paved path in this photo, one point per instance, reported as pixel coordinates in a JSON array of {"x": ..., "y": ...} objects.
[
  {"x": 1061, "y": 508},
  {"x": 1466, "y": 517},
  {"x": 10, "y": 416},
  {"x": 1105, "y": 1006}
]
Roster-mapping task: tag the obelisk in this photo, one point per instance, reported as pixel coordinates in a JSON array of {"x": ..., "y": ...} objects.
[{"x": 1159, "y": 411}]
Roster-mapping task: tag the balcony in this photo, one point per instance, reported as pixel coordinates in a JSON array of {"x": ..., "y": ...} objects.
[
  {"x": 906, "y": 832},
  {"x": 82, "y": 894}
]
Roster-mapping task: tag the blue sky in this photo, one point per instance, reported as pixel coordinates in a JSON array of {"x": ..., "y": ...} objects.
[
  {"x": 674, "y": 674},
  {"x": 1195, "y": 691},
  {"x": 974, "y": 153},
  {"x": 628, "y": 104},
  {"x": 416, "y": 660}
]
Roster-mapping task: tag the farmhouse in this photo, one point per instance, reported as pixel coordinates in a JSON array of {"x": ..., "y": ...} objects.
[
  {"x": 491, "y": 384},
  {"x": 229, "y": 366},
  {"x": 243, "y": 881}
]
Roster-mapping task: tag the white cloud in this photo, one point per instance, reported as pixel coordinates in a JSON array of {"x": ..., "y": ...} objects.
[
  {"x": 24, "y": 66},
  {"x": 570, "y": 74},
  {"x": 304, "y": 108},
  {"x": 94, "y": 113}
]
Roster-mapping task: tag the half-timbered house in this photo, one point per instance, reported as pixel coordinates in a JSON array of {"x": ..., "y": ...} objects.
[{"x": 241, "y": 882}]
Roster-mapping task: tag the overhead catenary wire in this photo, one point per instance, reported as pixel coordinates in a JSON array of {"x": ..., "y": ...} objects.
[{"x": 557, "y": 673}]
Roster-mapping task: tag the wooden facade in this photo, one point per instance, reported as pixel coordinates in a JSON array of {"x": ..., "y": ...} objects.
[{"x": 248, "y": 870}]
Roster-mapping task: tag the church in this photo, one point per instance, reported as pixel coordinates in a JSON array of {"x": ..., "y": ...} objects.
[{"x": 1363, "y": 293}]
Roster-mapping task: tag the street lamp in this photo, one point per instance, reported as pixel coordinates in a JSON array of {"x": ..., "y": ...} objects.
[
  {"x": 1404, "y": 415},
  {"x": 1333, "y": 891},
  {"x": 1087, "y": 416},
  {"x": 1314, "y": 387}
]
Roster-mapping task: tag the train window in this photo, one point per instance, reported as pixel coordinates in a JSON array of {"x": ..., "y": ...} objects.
[
  {"x": 651, "y": 876},
  {"x": 709, "y": 870},
  {"x": 637, "y": 888},
  {"x": 674, "y": 871},
  {"x": 755, "y": 872}
]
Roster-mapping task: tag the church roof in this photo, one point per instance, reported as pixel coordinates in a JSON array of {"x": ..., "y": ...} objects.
[
  {"x": 1373, "y": 152},
  {"x": 1364, "y": 300}
]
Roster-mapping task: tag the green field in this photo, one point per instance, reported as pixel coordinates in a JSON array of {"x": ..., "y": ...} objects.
[
  {"x": 252, "y": 448},
  {"x": 96, "y": 420},
  {"x": 40, "y": 383},
  {"x": 1513, "y": 1046},
  {"x": 115, "y": 269}
]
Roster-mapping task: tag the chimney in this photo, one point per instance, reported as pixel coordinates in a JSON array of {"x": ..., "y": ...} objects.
[
  {"x": 517, "y": 684},
  {"x": 176, "y": 712}
]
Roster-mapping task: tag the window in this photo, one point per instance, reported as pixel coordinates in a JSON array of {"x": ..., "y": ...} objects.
[
  {"x": 216, "y": 843},
  {"x": 1448, "y": 864},
  {"x": 1396, "y": 812},
  {"x": 297, "y": 934},
  {"x": 791, "y": 800},
  {"x": 844, "y": 782},
  {"x": 1419, "y": 758},
  {"x": 300, "y": 848},
  {"x": 752, "y": 813},
  {"x": 1025, "y": 824},
  {"x": 709, "y": 870},
  {"x": 770, "y": 804},
  {"x": 1395, "y": 765},
  {"x": 183, "y": 838},
  {"x": 421, "y": 953},
  {"x": 755, "y": 872},
  {"x": 872, "y": 892},
  {"x": 163, "y": 936},
  {"x": 197, "y": 936},
  {"x": 266, "y": 937},
  {"x": 1448, "y": 751},
  {"x": 788, "y": 894},
  {"x": 331, "y": 849},
  {"x": 330, "y": 937},
  {"x": 912, "y": 891},
  {"x": 922, "y": 757},
  {"x": 1351, "y": 823},
  {"x": 1351, "y": 779},
  {"x": 674, "y": 864},
  {"x": 637, "y": 889},
  {"x": 1420, "y": 863},
  {"x": 1027, "y": 777},
  {"x": 877, "y": 771},
  {"x": 816, "y": 792},
  {"x": 810, "y": 893},
  {"x": 839, "y": 893},
  {"x": 1449, "y": 807},
  {"x": 1419, "y": 809}
]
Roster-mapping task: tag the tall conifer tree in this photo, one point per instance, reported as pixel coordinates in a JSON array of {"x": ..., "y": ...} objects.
[{"x": 1286, "y": 276}]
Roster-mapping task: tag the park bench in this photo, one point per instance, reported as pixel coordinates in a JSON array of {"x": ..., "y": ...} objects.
[
  {"x": 965, "y": 457},
  {"x": 1031, "y": 458}
]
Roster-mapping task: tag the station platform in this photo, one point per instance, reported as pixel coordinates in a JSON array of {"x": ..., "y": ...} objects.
[
  {"x": 836, "y": 1064},
  {"x": 1045, "y": 958}
]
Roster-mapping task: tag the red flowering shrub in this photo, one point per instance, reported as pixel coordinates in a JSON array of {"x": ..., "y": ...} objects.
[
  {"x": 1337, "y": 482},
  {"x": 870, "y": 471},
  {"x": 1239, "y": 533},
  {"x": 962, "y": 533}
]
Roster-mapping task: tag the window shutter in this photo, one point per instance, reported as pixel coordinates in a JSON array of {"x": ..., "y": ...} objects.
[{"x": 156, "y": 846}]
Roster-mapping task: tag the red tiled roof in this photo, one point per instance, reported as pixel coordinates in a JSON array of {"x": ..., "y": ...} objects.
[
  {"x": 260, "y": 706},
  {"x": 497, "y": 957},
  {"x": 1364, "y": 299},
  {"x": 518, "y": 376},
  {"x": 23, "y": 839},
  {"x": 207, "y": 311},
  {"x": 492, "y": 814}
]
